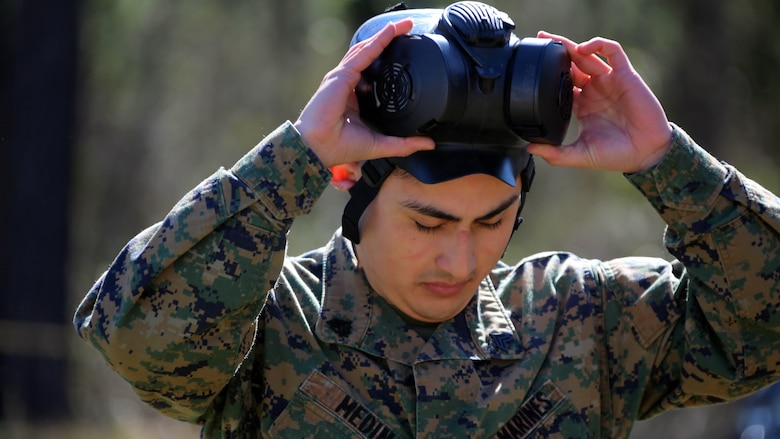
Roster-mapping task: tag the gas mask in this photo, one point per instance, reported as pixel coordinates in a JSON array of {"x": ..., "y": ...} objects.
[{"x": 463, "y": 78}]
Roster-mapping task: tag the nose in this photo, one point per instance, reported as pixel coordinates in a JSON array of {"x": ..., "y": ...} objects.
[{"x": 457, "y": 258}]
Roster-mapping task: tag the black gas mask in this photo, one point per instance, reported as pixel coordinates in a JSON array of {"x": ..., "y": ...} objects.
[{"x": 463, "y": 78}]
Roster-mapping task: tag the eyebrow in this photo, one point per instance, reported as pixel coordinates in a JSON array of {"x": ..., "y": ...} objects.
[{"x": 435, "y": 212}]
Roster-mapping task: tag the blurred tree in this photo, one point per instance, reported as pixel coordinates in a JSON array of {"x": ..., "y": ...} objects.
[
  {"x": 172, "y": 90},
  {"x": 37, "y": 98},
  {"x": 700, "y": 61}
]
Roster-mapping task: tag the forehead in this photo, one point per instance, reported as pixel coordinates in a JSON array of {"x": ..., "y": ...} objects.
[{"x": 467, "y": 192}]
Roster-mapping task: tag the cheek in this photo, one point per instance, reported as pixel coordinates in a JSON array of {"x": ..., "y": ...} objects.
[
  {"x": 405, "y": 247},
  {"x": 491, "y": 255},
  {"x": 396, "y": 254},
  {"x": 491, "y": 248},
  {"x": 384, "y": 243}
]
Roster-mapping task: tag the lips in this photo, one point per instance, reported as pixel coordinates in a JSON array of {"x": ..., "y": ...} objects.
[{"x": 444, "y": 289}]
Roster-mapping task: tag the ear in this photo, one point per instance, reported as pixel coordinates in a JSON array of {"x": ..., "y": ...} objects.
[{"x": 345, "y": 176}]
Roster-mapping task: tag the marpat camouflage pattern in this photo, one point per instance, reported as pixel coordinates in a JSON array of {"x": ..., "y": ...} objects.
[{"x": 210, "y": 322}]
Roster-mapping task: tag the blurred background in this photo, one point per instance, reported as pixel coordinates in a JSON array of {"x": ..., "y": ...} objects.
[{"x": 111, "y": 110}]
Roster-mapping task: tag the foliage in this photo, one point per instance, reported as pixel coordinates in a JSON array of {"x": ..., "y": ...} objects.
[{"x": 171, "y": 91}]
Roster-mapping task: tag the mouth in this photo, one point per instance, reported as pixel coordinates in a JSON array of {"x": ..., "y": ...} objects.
[{"x": 444, "y": 289}]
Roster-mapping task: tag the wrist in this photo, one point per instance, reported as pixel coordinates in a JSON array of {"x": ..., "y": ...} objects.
[
  {"x": 309, "y": 141},
  {"x": 657, "y": 153}
]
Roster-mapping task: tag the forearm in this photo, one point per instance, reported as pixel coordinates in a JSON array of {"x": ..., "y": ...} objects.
[
  {"x": 725, "y": 229},
  {"x": 174, "y": 314}
]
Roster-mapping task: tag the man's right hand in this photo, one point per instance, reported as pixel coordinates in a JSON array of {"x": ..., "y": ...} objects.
[{"x": 330, "y": 123}]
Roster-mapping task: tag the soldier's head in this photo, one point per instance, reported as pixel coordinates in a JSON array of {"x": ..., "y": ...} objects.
[
  {"x": 428, "y": 228},
  {"x": 425, "y": 245}
]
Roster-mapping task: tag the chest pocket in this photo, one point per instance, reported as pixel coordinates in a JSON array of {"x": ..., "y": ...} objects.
[
  {"x": 322, "y": 409},
  {"x": 545, "y": 413}
]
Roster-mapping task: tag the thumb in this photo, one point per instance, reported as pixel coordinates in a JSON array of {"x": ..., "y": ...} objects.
[
  {"x": 550, "y": 153},
  {"x": 393, "y": 146},
  {"x": 573, "y": 155}
]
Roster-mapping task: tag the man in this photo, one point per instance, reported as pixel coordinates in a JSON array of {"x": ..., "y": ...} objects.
[{"x": 416, "y": 329}]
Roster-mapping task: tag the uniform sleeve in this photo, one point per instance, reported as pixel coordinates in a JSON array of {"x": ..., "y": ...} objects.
[
  {"x": 724, "y": 230},
  {"x": 175, "y": 312}
]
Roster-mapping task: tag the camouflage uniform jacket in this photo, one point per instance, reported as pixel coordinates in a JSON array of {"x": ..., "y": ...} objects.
[{"x": 210, "y": 322}]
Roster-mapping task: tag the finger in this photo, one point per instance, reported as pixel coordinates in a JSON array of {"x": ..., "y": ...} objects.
[
  {"x": 392, "y": 146},
  {"x": 578, "y": 77},
  {"x": 549, "y": 153},
  {"x": 590, "y": 64},
  {"x": 362, "y": 54},
  {"x": 542, "y": 150},
  {"x": 611, "y": 50},
  {"x": 564, "y": 155},
  {"x": 586, "y": 61},
  {"x": 569, "y": 44}
]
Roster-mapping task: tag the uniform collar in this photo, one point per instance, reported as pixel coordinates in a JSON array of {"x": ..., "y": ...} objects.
[{"x": 353, "y": 315}]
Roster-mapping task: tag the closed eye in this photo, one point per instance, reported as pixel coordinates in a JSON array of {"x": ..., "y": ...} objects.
[
  {"x": 426, "y": 229},
  {"x": 493, "y": 225}
]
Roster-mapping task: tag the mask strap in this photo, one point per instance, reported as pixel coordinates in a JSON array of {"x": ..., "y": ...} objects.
[
  {"x": 526, "y": 179},
  {"x": 374, "y": 173}
]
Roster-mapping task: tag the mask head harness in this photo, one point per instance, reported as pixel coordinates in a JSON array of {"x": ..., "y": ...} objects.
[{"x": 464, "y": 79}]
